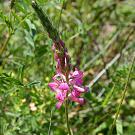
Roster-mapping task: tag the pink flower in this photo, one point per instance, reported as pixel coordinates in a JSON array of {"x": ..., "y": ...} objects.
[
  {"x": 59, "y": 104},
  {"x": 60, "y": 87},
  {"x": 79, "y": 89},
  {"x": 64, "y": 86},
  {"x": 53, "y": 85},
  {"x": 71, "y": 90},
  {"x": 81, "y": 101},
  {"x": 76, "y": 77}
]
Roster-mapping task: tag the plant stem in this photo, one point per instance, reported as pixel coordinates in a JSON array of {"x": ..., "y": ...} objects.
[
  {"x": 66, "y": 115},
  {"x": 61, "y": 13},
  {"x": 5, "y": 45},
  {"x": 49, "y": 131},
  {"x": 123, "y": 96}
]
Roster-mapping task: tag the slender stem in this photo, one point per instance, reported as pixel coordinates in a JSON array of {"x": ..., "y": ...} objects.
[
  {"x": 123, "y": 96},
  {"x": 49, "y": 130},
  {"x": 61, "y": 14},
  {"x": 125, "y": 43},
  {"x": 5, "y": 45},
  {"x": 66, "y": 107},
  {"x": 67, "y": 120}
]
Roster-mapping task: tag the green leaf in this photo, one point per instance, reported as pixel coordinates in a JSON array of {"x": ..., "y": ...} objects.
[
  {"x": 108, "y": 97},
  {"x": 29, "y": 38}
]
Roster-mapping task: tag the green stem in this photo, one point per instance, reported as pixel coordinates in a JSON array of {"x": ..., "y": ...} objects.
[
  {"x": 67, "y": 120},
  {"x": 49, "y": 131},
  {"x": 61, "y": 13},
  {"x": 122, "y": 98},
  {"x": 5, "y": 45}
]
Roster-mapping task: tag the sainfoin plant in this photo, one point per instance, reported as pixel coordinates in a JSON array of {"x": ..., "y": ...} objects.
[{"x": 67, "y": 84}]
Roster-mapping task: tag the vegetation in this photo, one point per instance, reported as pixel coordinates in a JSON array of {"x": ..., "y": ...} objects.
[{"x": 99, "y": 36}]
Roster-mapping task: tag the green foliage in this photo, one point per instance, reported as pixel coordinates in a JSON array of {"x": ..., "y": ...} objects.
[{"x": 94, "y": 31}]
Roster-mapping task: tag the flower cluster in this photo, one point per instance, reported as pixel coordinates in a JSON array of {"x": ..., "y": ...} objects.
[
  {"x": 66, "y": 84},
  {"x": 68, "y": 90}
]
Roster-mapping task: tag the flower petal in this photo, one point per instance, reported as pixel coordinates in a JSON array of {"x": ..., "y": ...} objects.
[
  {"x": 86, "y": 89},
  {"x": 77, "y": 74},
  {"x": 77, "y": 88},
  {"x": 64, "y": 86},
  {"x": 75, "y": 93},
  {"x": 58, "y": 105},
  {"x": 53, "y": 85},
  {"x": 61, "y": 96},
  {"x": 81, "y": 101}
]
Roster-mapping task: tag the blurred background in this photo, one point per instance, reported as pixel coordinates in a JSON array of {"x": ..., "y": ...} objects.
[{"x": 99, "y": 34}]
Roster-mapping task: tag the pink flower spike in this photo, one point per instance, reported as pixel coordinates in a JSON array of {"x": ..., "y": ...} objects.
[
  {"x": 64, "y": 86},
  {"x": 53, "y": 85},
  {"x": 79, "y": 89}
]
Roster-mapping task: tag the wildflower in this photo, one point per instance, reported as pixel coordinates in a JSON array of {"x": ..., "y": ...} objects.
[
  {"x": 66, "y": 84},
  {"x": 71, "y": 90}
]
